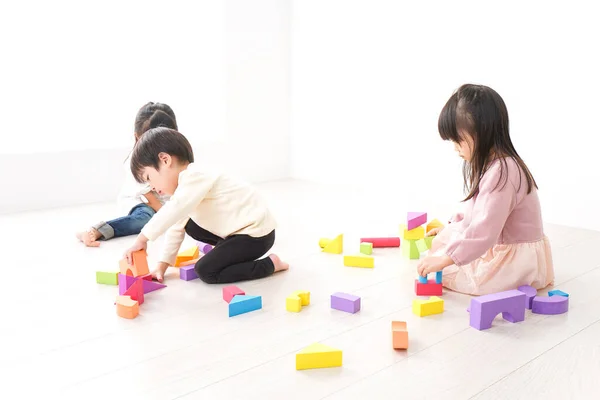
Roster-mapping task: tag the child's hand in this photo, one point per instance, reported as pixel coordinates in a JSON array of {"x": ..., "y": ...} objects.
[
  {"x": 137, "y": 246},
  {"x": 190, "y": 262},
  {"x": 434, "y": 231},
  {"x": 433, "y": 264},
  {"x": 159, "y": 272}
]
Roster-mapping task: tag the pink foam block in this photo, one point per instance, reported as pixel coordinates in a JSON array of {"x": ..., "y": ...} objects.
[
  {"x": 230, "y": 291},
  {"x": 530, "y": 293},
  {"x": 550, "y": 305},
  {"x": 125, "y": 281},
  {"x": 151, "y": 286},
  {"x": 484, "y": 309},
  {"x": 136, "y": 291},
  {"x": 383, "y": 241},
  {"x": 416, "y": 219}
]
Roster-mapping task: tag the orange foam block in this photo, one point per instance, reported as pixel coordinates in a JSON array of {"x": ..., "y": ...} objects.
[
  {"x": 127, "y": 308},
  {"x": 139, "y": 267},
  {"x": 399, "y": 335}
]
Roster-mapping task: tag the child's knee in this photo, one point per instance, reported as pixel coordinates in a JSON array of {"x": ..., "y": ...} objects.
[{"x": 206, "y": 276}]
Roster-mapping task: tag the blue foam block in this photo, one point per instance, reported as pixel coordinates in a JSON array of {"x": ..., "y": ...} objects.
[
  {"x": 422, "y": 279},
  {"x": 241, "y": 304},
  {"x": 557, "y": 293},
  {"x": 438, "y": 277}
]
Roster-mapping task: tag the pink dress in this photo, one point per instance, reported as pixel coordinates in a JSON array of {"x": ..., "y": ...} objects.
[{"x": 499, "y": 242}]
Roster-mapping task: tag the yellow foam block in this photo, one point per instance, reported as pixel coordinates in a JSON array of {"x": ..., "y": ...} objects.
[
  {"x": 187, "y": 255},
  {"x": 361, "y": 261},
  {"x": 433, "y": 224},
  {"x": 423, "y": 308},
  {"x": 413, "y": 234},
  {"x": 318, "y": 356},
  {"x": 297, "y": 300},
  {"x": 335, "y": 246}
]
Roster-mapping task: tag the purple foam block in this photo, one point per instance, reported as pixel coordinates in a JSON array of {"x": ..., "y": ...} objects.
[
  {"x": 187, "y": 273},
  {"x": 204, "y": 247},
  {"x": 345, "y": 302},
  {"x": 485, "y": 308},
  {"x": 530, "y": 293},
  {"x": 550, "y": 305},
  {"x": 151, "y": 286},
  {"x": 125, "y": 281}
]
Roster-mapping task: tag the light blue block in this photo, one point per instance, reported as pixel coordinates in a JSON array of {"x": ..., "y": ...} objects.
[
  {"x": 438, "y": 277},
  {"x": 241, "y": 304},
  {"x": 422, "y": 279},
  {"x": 557, "y": 293}
]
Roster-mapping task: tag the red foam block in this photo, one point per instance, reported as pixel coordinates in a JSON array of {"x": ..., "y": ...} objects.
[
  {"x": 383, "y": 241},
  {"x": 136, "y": 291},
  {"x": 230, "y": 291},
  {"x": 428, "y": 289}
]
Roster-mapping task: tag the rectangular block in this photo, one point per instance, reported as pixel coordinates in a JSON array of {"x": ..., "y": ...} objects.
[
  {"x": 345, "y": 302},
  {"x": 415, "y": 219},
  {"x": 557, "y": 292},
  {"x": 382, "y": 241},
  {"x": 366, "y": 248},
  {"x": 360, "y": 261},
  {"x": 187, "y": 273},
  {"x": 241, "y": 304},
  {"x": 230, "y": 291},
  {"x": 107, "y": 278},
  {"x": 483, "y": 309},
  {"x": 318, "y": 356},
  {"x": 412, "y": 234},
  {"x": 399, "y": 335},
  {"x": 423, "y": 308},
  {"x": 438, "y": 277},
  {"x": 431, "y": 288},
  {"x": 293, "y": 303}
]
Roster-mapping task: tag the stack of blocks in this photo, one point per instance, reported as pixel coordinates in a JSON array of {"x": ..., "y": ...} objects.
[
  {"x": 412, "y": 233},
  {"x": 239, "y": 302},
  {"x": 191, "y": 254},
  {"x": 424, "y": 287}
]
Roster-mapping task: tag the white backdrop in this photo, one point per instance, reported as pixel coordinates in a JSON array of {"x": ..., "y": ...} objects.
[{"x": 369, "y": 79}]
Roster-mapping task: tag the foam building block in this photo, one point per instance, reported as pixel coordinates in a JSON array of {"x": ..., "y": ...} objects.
[
  {"x": 410, "y": 250},
  {"x": 438, "y": 277},
  {"x": 204, "y": 247},
  {"x": 415, "y": 219},
  {"x": 345, "y": 302},
  {"x": 382, "y": 241},
  {"x": 241, "y": 304},
  {"x": 530, "y": 293},
  {"x": 318, "y": 356},
  {"x": 366, "y": 248},
  {"x": 334, "y": 246},
  {"x": 230, "y": 291},
  {"x": 484, "y": 309},
  {"x": 431, "y": 288},
  {"x": 399, "y": 335},
  {"x": 557, "y": 292},
  {"x": 423, "y": 308},
  {"x": 188, "y": 273},
  {"x": 127, "y": 307},
  {"x": 421, "y": 245},
  {"x": 550, "y": 305},
  {"x": 433, "y": 224},
  {"x": 297, "y": 300},
  {"x": 136, "y": 291},
  {"x": 412, "y": 234},
  {"x": 151, "y": 286},
  {"x": 125, "y": 281},
  {"x": 428, "y": 240},
  {"x": 359, "y": 260},
  {"x": 107, "y": 278},
  {"x": 147, "y": 277},
  {"x": 422, "y": 279},
  {"x": 187, "y": 255},
  {"x": 139, "y": 265}
]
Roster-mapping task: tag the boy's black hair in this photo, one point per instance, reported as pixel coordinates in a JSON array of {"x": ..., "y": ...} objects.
[{"x": 156, "y": 141}]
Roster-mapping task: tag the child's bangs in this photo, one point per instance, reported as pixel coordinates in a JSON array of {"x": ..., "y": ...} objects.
[{"x": 447, "y": 121}]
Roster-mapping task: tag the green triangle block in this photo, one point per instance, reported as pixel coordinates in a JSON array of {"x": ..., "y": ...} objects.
[
  {"x": 421, "y": 245},
  {"x": 410, "y": 249},
  {"x": 428, "y": 240}
]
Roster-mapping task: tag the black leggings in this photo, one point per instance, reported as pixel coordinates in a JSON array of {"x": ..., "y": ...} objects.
[{"x": 234, "y": 258}]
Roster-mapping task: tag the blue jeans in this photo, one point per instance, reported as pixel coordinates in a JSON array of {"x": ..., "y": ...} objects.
[{"x": 132, "y": 224}]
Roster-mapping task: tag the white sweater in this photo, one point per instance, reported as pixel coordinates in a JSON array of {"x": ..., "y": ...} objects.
[{"x": 216, "y": 203}]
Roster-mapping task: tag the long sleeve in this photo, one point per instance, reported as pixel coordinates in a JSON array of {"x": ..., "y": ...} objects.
[
  {"x": 492, "y": 207},
  {"x": 173, "y": 239},
  {"x": 191, "y": 189}
]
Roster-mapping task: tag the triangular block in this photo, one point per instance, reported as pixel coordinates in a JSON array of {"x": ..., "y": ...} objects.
[
  {"x": 187, "y": 255},
  {"x": 136, "y": 291},
  {"x": 241, "y": 304},
  {"x": 433, "y": 224},
  {"x": 151, "y": 286},
  {"x": 336, "y": 246},
  {"x": 415, "y": 219},
  {"x": 410, "y": 250},
  {"x": 428, "y": 240},
  {"x": 318, "y": 356},
  {"x": 125, "y": 281}
]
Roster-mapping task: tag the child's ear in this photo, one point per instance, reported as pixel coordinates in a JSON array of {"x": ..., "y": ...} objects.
[{"x": 165, "y": 159}]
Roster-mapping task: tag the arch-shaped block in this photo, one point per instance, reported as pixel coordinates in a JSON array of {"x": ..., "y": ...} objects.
[{"x": 484, "y": 309}]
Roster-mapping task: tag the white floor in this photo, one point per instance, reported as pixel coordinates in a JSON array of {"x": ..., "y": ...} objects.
[{"x": 61, "y": 337}]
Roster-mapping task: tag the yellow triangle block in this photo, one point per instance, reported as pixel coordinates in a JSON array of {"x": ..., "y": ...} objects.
[
  {"x": 336, "y": 246},
  {"x": 318, "y": 356},
  {"x": 187, "y": 255},
  {"x": 423, "y": 308},
  {"x": 433, "y": 224}
]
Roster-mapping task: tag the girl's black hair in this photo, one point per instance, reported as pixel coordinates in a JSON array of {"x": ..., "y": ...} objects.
[
  {"x": 480, "y": 112},
  {"x": 156, "y": 141},
  {"x": 152, "y": 115}
]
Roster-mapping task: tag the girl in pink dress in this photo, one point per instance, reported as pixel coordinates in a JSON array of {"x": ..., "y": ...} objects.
[{"x": 498, "y": 243}]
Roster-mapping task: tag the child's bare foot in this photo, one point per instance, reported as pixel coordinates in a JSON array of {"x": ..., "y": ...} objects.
[
  {"x": 279, "y": 265},
  {"x": 89, "y": 238}
]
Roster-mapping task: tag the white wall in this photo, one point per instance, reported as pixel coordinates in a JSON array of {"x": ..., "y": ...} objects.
[
  {"x": 369, "y": 79},
  {"x": 78, "y": 74}
]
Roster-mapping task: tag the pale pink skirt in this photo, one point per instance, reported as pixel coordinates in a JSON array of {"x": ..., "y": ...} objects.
[{"x": 503, "y": 267}]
